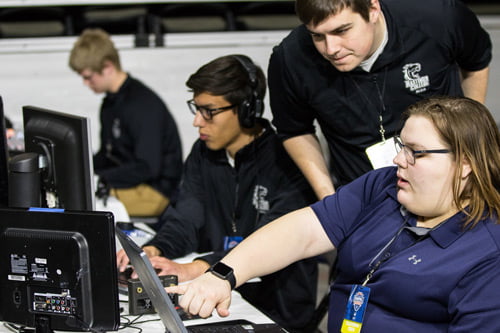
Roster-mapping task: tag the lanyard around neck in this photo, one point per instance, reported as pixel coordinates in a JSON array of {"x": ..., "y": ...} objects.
[
  {"x": 380, "y": 94},
  {"x": 383, "y": 255}
]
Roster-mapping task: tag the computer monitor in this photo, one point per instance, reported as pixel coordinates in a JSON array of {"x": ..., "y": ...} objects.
[
  {"x": 63, "y": 142},
  {"x": 58, "y": 270},
  {"x": 4, "y": 155}
]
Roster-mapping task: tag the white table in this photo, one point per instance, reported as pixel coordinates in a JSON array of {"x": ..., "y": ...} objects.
[{"x": 239, "y": 309}]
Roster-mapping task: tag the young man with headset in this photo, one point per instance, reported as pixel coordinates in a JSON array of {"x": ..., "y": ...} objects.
[{"x": 237, "y": 178}]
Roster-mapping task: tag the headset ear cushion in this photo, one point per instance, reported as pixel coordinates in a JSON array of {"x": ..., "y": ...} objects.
[
  {"x": 253, "y": 106},
  {"x": 245, "y": 115},
  {"x": 249, "y": 110},
  {"x": 258, "y": 107}
]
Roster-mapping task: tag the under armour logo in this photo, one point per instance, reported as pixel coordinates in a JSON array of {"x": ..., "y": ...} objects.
[{"x": 414, "y": 259}]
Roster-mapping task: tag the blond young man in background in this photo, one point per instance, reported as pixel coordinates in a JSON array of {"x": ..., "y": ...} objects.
[{"x": 140, "y": 157}]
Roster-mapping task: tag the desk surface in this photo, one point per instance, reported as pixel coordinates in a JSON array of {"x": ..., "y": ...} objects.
[{"x": 240, "y": 309}]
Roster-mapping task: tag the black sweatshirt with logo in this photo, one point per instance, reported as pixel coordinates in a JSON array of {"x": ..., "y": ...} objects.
[{"x": 216, "y": 200}]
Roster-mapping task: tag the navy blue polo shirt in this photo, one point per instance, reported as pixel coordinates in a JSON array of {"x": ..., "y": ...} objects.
[{"x": 447, "y": 281}]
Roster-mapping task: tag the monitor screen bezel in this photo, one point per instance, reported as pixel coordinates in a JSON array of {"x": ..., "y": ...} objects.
[
  {"x": 77, "y": 193},
  {"x": 4, "y": 160}
]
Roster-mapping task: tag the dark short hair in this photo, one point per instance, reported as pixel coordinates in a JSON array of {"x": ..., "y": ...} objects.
[
  {"x": 316, "y": 11},
  {"x": 226, "y": 77}
]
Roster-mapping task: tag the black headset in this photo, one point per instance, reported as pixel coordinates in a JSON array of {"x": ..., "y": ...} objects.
[{"x": 253, "y": 106}]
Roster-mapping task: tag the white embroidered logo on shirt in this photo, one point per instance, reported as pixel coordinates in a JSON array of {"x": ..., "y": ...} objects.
[
  {"x": 413, "y": 80},
  {"x": 116, "y": 128},
  {"x": 414, "y": 259},
  {"x": 259, "y": 198}
]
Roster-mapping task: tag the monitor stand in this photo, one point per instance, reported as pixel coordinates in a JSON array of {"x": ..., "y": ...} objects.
[{"x": 42, "y": 325}]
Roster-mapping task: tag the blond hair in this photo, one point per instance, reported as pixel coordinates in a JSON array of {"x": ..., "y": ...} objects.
[{"x": 92, "y": 49}]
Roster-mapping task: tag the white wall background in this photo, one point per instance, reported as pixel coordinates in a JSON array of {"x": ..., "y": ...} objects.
[{"x": 35, "y": 72}]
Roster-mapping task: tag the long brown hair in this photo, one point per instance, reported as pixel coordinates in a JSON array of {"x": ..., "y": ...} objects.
[{"x": 469, "y": 129}]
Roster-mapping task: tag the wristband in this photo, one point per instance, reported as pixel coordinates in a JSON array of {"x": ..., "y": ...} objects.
[{"x": 224, "y": 272}]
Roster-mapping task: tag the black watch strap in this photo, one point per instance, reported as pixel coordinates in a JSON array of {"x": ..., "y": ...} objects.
[{"x": 224, "y": 272}]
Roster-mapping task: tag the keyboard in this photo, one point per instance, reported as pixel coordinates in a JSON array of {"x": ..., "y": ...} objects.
[{"x": 236, "y": 326}]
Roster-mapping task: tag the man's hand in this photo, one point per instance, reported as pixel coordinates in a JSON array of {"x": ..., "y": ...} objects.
[
  {"x": 122, "y": 260},
  {"x": 203, "y": 295},
  {"x": 151, "y": 251},
  {"x": 184, "y": 272}
]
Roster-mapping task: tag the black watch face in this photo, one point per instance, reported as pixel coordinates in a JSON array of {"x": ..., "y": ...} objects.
[{"x": 222, "y": 269}]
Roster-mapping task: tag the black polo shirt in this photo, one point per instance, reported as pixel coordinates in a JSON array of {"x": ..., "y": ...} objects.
[{"x": 428, "y": 41}]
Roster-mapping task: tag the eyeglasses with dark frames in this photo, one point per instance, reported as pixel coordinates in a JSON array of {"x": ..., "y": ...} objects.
[
  {"x": 410, "y": 153},
  {"x": 205, "y": 112}
]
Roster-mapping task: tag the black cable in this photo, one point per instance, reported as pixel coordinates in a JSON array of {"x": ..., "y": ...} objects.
[
  {"x": 128, "y": 323},
  {"x": 132, "y": 322},
  {"x": 147, "y": 321},
  {"x": 11, "y": 327}
]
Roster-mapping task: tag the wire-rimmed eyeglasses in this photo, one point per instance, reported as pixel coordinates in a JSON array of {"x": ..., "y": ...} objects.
[
  {"x": 410, "y": 153},
  {"x": 206, "y": 113}
]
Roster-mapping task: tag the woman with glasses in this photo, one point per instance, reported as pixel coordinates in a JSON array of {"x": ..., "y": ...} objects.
[{"x": 418, "y": 243}]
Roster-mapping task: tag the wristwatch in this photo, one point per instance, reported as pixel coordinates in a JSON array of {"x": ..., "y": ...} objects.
[{"x": 224, "y": 272}]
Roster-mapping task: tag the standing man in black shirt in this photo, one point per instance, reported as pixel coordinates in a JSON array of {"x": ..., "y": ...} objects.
[
  {"x": 355, "y": 65},
  {"x": 140, "y": 156}
]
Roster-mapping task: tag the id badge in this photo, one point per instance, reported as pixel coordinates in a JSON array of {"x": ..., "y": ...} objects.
[
  {"x": 231, "y": 241},
  {"x": 355, "y": 310},
  {"x": 382, "y": 153}
]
